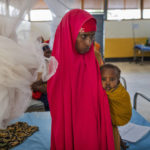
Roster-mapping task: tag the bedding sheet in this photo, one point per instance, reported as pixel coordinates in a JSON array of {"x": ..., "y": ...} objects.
[
  {"x": 41, "y": 139},
  {"x": 144, "y": 143}
]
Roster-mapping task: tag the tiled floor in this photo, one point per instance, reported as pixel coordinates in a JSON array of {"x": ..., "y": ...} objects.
[{"x": 138, "y": 80}]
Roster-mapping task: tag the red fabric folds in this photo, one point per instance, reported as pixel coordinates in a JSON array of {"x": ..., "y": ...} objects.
[
  {"x": 79, "y": 106},
  {"x": 88, "y": 26},
  {"x": 36, "y": 95}
]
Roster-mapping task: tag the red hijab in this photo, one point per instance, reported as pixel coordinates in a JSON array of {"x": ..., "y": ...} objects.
[{"x": 78, "y": 104}]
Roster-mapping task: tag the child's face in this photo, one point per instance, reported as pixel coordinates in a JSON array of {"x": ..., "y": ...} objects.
[
  {"x": 84, "y": 41},
  {"x": 109, "y": 78},
  {"x": 47, "y": 51}
]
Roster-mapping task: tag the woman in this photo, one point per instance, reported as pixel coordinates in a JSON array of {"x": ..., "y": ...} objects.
[{"x": 79, "y": 106}]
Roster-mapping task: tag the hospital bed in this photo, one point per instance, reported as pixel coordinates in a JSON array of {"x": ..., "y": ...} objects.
[
  {"x": 41, "y": 140},
  {"x": 142, "y": 49},
  {"x": 144, "y": 143},
  {"x": 136, "y": 95}
]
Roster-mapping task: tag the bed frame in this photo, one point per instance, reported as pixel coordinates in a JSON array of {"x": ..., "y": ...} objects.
[{"x": 142, "y": 49}]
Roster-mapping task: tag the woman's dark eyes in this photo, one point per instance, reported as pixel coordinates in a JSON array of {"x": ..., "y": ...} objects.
[{"x": 84, "y": 36}]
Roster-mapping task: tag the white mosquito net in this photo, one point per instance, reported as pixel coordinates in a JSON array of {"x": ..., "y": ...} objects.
[
  {"x": 12, "y": 13},
  {"x": 19, "y": 61}
]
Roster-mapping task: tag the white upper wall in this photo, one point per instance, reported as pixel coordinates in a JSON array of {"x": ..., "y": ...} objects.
[
  {"x": 41, "y": 28},
  {"x": 33, "y": 30},
  {"x": 113, "y": 29},
  {"x": 124, "y": 29}
]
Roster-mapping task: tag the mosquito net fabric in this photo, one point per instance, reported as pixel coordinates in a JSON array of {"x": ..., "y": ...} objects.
[
  {"x": 12, "y": 13},
  {"x": 58, "y": 9},
  {"x": 19, "y": 61}
]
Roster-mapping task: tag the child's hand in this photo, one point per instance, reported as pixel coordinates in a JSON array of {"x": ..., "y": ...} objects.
[{"x": 35, "y": 87}]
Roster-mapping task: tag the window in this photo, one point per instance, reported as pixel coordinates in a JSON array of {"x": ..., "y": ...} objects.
[
  {"x": 123, "y": 9},
  {"x": 41, "y": 15},
  {"x": 146, "y": 9},
  {"x": 146, "y": 13},
  {"x": 2, "y": 8},
  {"x": 119, "y": 14},
  {"x": 26, "y": 17},
  {"x": 13, "y": 12},
  {"x": 95, "y": 11}
]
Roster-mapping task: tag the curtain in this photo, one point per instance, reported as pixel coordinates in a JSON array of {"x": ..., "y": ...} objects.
[
  {"x": 12, "y": 13},
  {"x": 58, "y": 9}
]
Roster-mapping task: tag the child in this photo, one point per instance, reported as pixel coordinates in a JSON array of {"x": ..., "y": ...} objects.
[
  {"x": 40, "y": 87},
  {"x": 119, "y": 100}
]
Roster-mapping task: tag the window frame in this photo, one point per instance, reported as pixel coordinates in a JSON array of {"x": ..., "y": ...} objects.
[{"x": 40, "y": 20}]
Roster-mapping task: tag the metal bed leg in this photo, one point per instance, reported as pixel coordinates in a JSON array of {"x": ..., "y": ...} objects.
[
  {"x": 142, "y": 57},
  {"x": 135, "y": 101},
  {"x": 134, "y": 58}
]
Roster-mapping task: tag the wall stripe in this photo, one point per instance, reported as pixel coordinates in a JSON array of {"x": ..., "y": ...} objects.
[{"x": 121, "y": 47}]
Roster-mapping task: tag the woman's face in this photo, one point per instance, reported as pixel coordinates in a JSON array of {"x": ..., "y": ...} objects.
[{"x": 84, "y": 41}]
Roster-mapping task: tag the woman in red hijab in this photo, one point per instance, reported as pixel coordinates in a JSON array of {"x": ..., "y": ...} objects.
[{"x": 79, "y": 106}]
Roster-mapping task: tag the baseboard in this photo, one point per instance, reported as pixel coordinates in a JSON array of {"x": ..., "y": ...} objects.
[{"x": 126, "y": 59}]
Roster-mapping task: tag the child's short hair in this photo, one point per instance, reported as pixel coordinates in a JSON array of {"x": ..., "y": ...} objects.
[{"x": 111, "y": 66}]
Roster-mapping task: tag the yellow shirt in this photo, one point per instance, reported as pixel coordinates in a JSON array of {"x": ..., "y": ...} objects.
[
  {"x": 120, "y": 110},
  {"x": 120, "y": 105}
]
